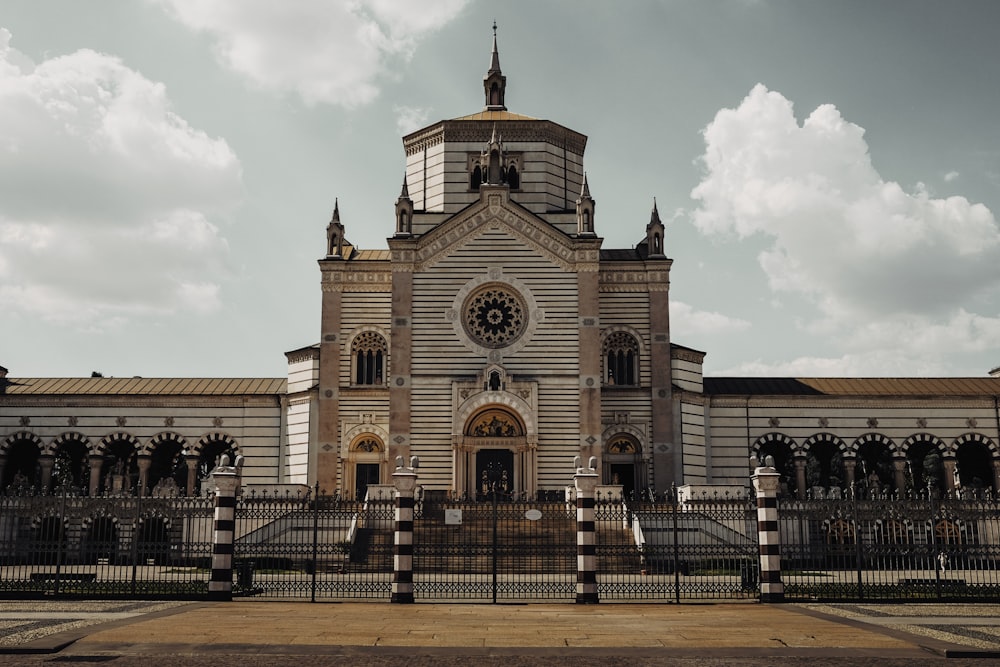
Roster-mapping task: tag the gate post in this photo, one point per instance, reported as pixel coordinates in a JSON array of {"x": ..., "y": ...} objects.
[
  {"x": 586, "y": 543},
  {"x": 227, "y": 485},
  {"x": 405, "y": 481},
  {"x": 766, "y": 482}
]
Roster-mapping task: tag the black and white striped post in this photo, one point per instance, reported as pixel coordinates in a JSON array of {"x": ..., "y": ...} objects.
[
  {"x": 405, "y": 481},
  {"x": 586, "y": 534},
  {"x": 766, "y": 482},
  {"x": 227, "y": 485}
]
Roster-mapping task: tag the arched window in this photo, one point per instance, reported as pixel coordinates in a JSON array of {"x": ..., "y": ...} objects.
[
  {"x": 369, "y": 353},
  {"x": 476, "y": 179},
  {"x": 512, "y": 179},
  {"x": 621, "y": 356}
]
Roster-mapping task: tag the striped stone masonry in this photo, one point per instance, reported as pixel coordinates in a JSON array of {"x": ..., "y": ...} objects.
[
  {"x": 405, "y": 481},
  {"x": 766, "y": 481},
  {"x": 586, "y": 535},
  {"x": 227, "y": 483}
]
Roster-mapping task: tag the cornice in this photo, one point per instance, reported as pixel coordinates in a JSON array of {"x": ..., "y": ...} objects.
[
  {"x": 132, "y": 401},
  {"x": 851, "y": 402}
]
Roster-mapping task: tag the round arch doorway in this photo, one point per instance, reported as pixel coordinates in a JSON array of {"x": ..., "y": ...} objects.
[{"x": 495, "y": 472}]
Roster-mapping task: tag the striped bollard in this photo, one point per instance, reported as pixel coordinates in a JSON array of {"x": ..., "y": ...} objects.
[
  {"x": 766, "y": 481},
  {"x": 586, "y": 542},
  {"x": 227, "y": 483},
  {"x": 405, "y": 481}
]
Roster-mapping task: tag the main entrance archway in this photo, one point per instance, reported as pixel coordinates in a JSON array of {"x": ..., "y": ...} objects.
[{"x": 493, "y": 442}]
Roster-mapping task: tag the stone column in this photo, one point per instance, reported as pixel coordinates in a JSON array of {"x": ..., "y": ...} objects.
[
  {"x": 996, "y": 475},
  {"x": 96, "y": 467},
  {"x": 800, "y": 476},
  {"x": 144, "y": 462},
  {"x": 192, "y": 480},
  {"x": 849, "y": 465},
  {"x": 666, "y": 452},
  {"x": 899, "y": 475},
  {"x": 46, "y": 462},
  {"x": 766, "y": 482},
  {"x": 405, "y": 481},
  {"x": 950, "y": 466},
  {"x": 589, "y": 355},
  {"x": 586, "y": 534},
  {"x": 227, "y": 484}
]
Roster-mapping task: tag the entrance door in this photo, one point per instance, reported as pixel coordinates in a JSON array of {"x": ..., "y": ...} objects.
[
  {"x": 494, "y": 470},
  {"x": 624, "y": 474},
  {"x": 365, "y": 474}
]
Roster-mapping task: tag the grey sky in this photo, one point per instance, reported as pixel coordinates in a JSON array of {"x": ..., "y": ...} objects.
[{"x": 167, "y": 168}]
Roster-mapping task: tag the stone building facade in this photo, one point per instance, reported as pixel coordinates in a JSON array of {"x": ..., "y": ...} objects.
[{"x": 495, "y": 332}]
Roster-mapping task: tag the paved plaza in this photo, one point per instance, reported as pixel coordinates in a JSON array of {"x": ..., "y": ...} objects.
[{"x": 243, "y": 632}]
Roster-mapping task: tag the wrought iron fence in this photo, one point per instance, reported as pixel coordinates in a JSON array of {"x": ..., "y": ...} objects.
[
  {"x": 69, "y": 545},
  {"x": 314, "y": 546},
  {"x": 494, "y": 549},
  {"x": 877, "y": 547},
  {"x": 670, "y": 548}
]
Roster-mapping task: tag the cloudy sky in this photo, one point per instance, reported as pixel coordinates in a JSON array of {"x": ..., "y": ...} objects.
[{"x": 829, "y": 171}]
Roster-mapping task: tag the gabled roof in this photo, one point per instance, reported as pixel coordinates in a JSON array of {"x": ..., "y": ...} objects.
[
  {"x": 143, "y": 386},
  {"x": 772, "y": 386}
]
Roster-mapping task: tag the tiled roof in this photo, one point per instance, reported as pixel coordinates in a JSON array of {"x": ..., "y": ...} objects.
[
  {"x": 143, "y": 386},
  {"x": 370, "y": 255},
  {"x": 494, "y": 115},
  {"x": 771, "y": 386}
]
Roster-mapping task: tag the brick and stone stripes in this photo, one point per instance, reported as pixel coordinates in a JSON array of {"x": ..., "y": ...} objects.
[
  {"x": 766, "y": 481},
  {"x": 586, "y": 537},
  {"x": 220, "y": 586},
  {"x": 405, "y": 481}
]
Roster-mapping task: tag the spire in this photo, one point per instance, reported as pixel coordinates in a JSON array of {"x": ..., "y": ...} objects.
[
  {"x": 495, "y": 60},
  {"x": 335, "y": 234},
  {"x": 404, "y": 212},
  {"x": 495, "y": 83},
  {"x": 585, "y": 210},
  {"x": 654, "y": 235}
]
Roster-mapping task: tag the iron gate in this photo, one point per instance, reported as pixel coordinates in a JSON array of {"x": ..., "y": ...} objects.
[
  {"x": 656, "y": 548},
  {"x": 70, "y": 545},
  {"x": 496, "y": 549},
  {"x": 879, "y": 547},
  {"x": 314, "y": 547}
]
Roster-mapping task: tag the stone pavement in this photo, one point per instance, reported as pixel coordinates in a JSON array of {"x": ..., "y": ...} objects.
[{"x": 896, "y": 632}]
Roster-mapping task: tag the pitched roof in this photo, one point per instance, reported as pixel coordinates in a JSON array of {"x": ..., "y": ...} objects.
[
  {"x": 144, "y": 386},
  {"x": 771, "y": 386}
]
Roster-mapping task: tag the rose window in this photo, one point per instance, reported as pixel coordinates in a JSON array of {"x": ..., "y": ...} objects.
[{"x": 495, "y": 316}]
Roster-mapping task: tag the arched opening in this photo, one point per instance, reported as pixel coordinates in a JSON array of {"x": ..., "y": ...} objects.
[
  {"x": 512, "y": 178},
  {"x": 623, "y": 464},
  {"x": 494, "y": 95},
  {"x": 974, "y": 469},
  {"x": 167, "y": 469},
  {"x": 924, "y": 466},
  {"x": 72, "y": 465},
  {"x": 101, "y": 541},
  {"x": 824, "y": 465},
  {"x": 366, "y": 454},
  {"x": 874, "y": 461},
  {"x": 476, "y": 179},
  {"x": 21, "y": 470},
  {"x": 780, "y": 449},
  {"x": 621, "y": 356},
  {"x": 210, "y": 455},
  {"x": 153, "y": 547},
  {"x": 121, "y": 466},
  {"x": 369, "y": 352}
]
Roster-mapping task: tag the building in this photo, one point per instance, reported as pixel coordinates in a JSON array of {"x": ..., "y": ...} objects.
[{"x": 495, "y": 334}]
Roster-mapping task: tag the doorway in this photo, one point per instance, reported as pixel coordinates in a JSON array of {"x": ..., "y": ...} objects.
[
  {"x": 624, "y": 474},
  {"x": 494, "y": 473},
  {"x": 365, "y": 474}
]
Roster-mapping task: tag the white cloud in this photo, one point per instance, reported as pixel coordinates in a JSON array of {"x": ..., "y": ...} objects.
[
  {"x": 687, "y": 321},
  {"x": 871, "y": 256},
  {"x": 325, "y": 51},
  {"x": 409, "y": 119},
  {"x": 106, "y": 195},
  {"x": 951, "y": 176}
]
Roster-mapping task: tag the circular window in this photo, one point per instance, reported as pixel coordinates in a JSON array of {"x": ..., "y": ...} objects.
[{"x": 495, "y": 316}]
